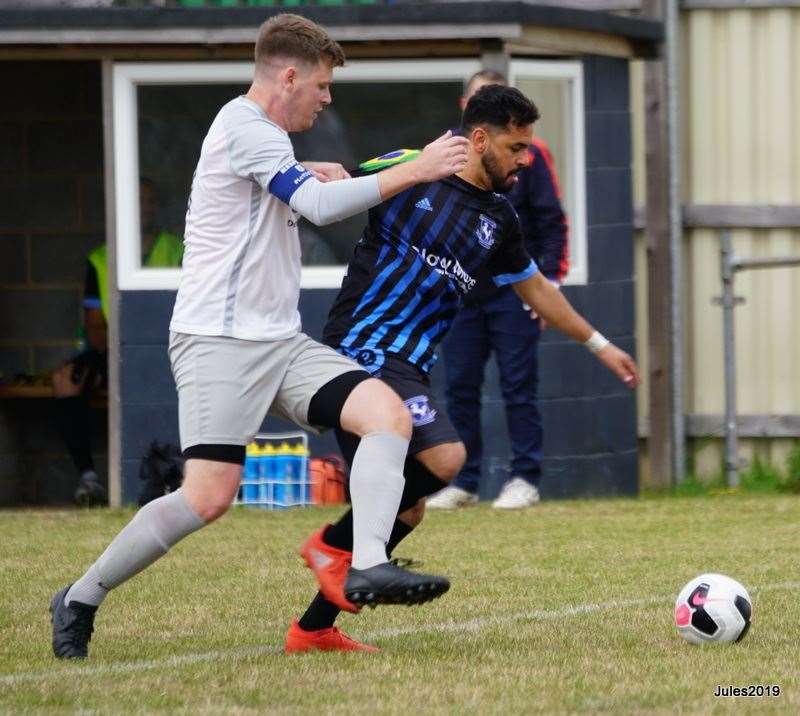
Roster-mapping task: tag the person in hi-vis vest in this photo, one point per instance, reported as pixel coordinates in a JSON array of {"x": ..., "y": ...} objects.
[{"x": 87, "y": 372}]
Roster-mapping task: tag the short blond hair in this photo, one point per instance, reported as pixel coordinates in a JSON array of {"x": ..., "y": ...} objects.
[{"x": 298, "y": 38}]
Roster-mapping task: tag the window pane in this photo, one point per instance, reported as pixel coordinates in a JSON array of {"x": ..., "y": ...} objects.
[
  {"x": 551, "y": 96},
  {"x": 366, "y": 119},
  {"x": 173, "y": 121}
]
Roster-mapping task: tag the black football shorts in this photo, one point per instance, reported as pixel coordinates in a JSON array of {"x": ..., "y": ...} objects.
[{"x": 431, "y": 425}]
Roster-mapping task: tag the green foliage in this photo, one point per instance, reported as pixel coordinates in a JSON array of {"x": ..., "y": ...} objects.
[
  {"x": 791, "y": 482},
  {"x": 760, "y": 477},
  {"x": 766, "y": 478},
  {"x": 692, "y": 486}
]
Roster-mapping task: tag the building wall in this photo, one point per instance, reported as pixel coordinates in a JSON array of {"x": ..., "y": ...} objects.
[
  {"x": 740, "y": 109},
  {"x": 51, "y": 206},
  {"x": 589, "y": 417},
  {"x": 51, "y": 215}
]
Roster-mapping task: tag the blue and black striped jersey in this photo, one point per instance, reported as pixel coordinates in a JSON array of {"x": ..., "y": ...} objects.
[{"x": 421, "y": 252}]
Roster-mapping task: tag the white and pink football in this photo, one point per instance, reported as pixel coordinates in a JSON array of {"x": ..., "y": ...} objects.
[{"x": 713, "y": 608}]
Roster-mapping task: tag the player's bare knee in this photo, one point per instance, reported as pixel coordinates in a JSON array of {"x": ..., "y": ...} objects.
[
  {"x": 210, "y": 487},
  {"x": 213, "y": 508},
  {"x": 392, "y": 415},
  {"x": 374, "y": 407},
  {"x": 450, "y": 459},
  {"x": 400, "y": 419},
  {"x": 211, "y": 504},
  {"x": 456, "y": 458}
]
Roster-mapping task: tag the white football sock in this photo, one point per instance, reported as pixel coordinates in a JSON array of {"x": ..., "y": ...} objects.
[
  {"x": 153, "y": 530},
  {"x": 376, "y": 486}
]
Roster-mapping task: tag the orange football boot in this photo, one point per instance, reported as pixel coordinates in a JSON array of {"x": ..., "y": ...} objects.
[
  {"x": 330, "y": 639},
  {"x": 330, "y": 565}
]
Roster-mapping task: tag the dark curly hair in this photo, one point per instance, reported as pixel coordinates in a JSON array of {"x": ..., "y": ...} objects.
[{"x": 498, "y": 106}]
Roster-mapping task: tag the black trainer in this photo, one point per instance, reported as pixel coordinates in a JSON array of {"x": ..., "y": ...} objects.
[
  {"x": 390, "y": 584},
  {"x": 72, "y": 626}
]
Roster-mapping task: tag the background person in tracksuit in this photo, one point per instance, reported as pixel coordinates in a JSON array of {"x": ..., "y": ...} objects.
[{"x": 496, "y": 320}]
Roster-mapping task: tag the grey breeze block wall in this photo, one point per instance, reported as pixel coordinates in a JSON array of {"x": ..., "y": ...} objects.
[
  {"x": 589, "y": 417},
  {"x": 51, "y": 215}
]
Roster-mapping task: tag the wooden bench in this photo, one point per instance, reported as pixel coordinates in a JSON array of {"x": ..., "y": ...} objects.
[
  {"x": 32, "y": 392},
  {"x": 8, "y": 392}
]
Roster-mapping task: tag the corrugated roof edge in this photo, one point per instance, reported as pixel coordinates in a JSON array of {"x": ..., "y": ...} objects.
[{"x": 489, "y": 13}]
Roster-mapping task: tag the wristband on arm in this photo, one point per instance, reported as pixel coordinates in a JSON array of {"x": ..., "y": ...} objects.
[{"x": 596, "y": 342}]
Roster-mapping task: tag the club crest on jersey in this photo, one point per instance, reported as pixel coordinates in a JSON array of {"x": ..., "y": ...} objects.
[
  {"x": 421, "y": 411},
  {"x": 485, "y": 232}
]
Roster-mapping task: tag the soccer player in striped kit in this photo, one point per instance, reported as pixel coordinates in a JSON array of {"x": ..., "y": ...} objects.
[
  {"x": 495, "y": 321},
  {"x": 420, "y": 254}
]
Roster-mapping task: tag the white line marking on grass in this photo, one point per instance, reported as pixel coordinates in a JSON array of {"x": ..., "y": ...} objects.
[
  {"x": 471, "y": 625},
  {"x": 126, "y": 667},
  {"x": 475, "y": 625}
]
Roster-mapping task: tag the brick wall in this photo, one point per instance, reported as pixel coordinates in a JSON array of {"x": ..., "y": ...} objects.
[
  {"x": 588, "y": 416},
  {"x": 51, "y": 215},
  {"x": 51, "y": 206}
]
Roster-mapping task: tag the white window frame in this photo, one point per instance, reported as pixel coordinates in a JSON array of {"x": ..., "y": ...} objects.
[
  {"x": 572, "y": 72},
  {"x": 127, "y": 76}
]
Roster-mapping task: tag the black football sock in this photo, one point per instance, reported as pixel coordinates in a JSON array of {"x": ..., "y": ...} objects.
[
  {"x": 321, "y": 614},
  {"x": 420, "y": 482},
  {"x": 400, "y": 530},
  {"x": 340, "y": 534},
  {"x": 335, "y": 535}
]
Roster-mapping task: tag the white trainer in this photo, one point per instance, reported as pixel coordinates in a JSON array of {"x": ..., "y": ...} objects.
[
  {"x": 450, "y": 498},
  {"x": 516, "y": 494}
]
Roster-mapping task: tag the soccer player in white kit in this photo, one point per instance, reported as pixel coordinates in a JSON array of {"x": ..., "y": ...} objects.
[{"x": 235, "y": 342}]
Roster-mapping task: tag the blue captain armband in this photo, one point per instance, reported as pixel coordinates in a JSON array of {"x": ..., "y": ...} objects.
[
  {"x": 288, "y": 180},
  {"x": 507, "y": 278}
]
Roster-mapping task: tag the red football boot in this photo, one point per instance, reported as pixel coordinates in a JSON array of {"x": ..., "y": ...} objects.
[
  {"x": 330, "y": 639},
  {"x": 330, "y": 565}
]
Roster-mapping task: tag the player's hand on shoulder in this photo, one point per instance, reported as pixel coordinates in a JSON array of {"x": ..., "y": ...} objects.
[
  {"x": 442, "y": 157},
  {"x": 620, "y": 364},
  {"x": 327, "y": 171}
]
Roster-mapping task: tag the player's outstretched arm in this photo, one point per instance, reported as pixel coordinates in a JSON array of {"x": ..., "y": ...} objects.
[
  {"x": 441, "y": 158},
  {"x": 550, "y": 304},
  {"x": 323, "y": 202}
]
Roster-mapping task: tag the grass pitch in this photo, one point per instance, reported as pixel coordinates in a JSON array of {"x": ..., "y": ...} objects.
[{"x": 563, "y": 608}]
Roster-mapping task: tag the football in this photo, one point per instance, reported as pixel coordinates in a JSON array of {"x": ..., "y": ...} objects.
[{"x": 713, "y": 608}]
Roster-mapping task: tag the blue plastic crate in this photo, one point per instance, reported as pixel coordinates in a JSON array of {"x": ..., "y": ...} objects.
[{"x": 275, "y": 474}]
